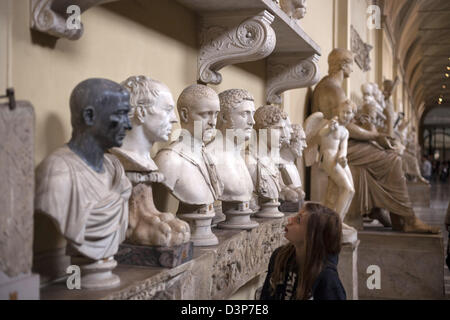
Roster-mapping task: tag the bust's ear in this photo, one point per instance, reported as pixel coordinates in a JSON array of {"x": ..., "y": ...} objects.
[
  {"x": 89, "y": 115},
  {"x": 223, "y": 117},
  {"x": 184, "y": 115}
]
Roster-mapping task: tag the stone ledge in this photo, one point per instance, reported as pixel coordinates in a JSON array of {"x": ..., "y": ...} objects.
[{"x": 215, "y": 272}]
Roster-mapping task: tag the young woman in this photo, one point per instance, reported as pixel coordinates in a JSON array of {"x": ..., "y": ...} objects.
[{"x": 306, "y": 267}]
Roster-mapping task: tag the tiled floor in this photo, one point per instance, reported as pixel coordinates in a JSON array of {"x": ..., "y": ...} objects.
[{"x": 435, "y": 215}]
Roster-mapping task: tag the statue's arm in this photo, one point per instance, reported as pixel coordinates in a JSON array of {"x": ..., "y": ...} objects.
[
  {"x": 358, "y": 133},
  {"x": 342, "y": 153}
]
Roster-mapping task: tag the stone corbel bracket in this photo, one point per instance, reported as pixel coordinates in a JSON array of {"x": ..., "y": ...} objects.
[
  {"x": 290, "y": 71},
  {"x": 226, "y": 40},
  {"x": 50, "y": 16}
]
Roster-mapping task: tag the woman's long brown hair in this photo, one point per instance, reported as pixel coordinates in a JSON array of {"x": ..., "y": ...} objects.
[{"x": 323, "y": 237}]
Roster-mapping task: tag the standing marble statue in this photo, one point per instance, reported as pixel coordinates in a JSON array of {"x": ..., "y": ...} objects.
[
  {"x": 189, "y": 171},
  {"x": 272, "y": 131},
  {"x": 331, "y": 137},
  {"x": 289, "y": 153},
  {"x": 152, "y": 116},
  {"x": 235, "y": 122},
  {"x": 85, "y": 191}
]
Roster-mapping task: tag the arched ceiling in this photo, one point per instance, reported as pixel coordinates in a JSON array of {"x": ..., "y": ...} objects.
[{"x": 421, "y": 35}]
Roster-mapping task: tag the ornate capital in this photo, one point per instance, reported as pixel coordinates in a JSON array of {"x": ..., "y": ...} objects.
[
  {"x": 225, "y": 41},
  {"x": 51, "y": 16},
  {"x": 285, "y": 72}
]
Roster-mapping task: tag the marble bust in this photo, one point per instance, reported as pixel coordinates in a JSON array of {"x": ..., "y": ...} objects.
[
  {"x": 272, "y": 131},
  {"x": 152, "y": 116},
  {"x": 83, "y": 189},
  {"x": 289, "y": 153},
  {"x": 235, "y": 122},
  {"x": 190, "y": 173},
  {"x": 295, "y": 9}
]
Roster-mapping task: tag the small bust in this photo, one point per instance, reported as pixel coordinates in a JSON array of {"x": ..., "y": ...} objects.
[
  {"x": 295, "y": 9},
  {"x": 152, "y": 115},
  {"x": 82, "y": 189}
]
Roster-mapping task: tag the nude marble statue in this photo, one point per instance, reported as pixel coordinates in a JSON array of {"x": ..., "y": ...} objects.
[
  {"x": 235, "y": 123},
  {"x": 83, "y": 189},
  {"x": 152, "y": 116},
  {"x": 189, "y": 171},
  {"x": 331, "y": 137}
]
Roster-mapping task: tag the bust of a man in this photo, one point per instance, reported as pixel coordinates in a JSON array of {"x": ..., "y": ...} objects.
[
  {"x": 152, "y": 116},
  {"x": 189, "y": 171},
  {"x": 85, "y": 191},
  {"x": 272, "y": 129},
  {"x": 328, "y": 93},
  {"x": 235, "y": 122},
  {"x": 289, "y": 153}
]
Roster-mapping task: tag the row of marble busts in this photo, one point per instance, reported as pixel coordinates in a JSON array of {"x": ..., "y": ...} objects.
[{"x": 84, "y": 186}]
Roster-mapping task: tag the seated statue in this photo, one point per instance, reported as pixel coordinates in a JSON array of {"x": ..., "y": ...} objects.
[
  {"x": 331, "y": 137},
  {"x": 190, "y": 173},
  {"x": 289, "y": 153},
  {"x": 272, "y": 130},
  {"x": 85, "y": 191},
  {"x": 152, "y": 116},
  {"x": 378, "y": 176},
  {"x": 235, "y": 122}
]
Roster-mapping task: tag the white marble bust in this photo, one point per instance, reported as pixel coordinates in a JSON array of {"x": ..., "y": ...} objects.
[
  {"x": 235, "y": 122},
  {"x": 289, "y": 153},
  {"x": 295, "y": 9},
  {"x": 152, "y": 116},
  {"x": 272, "y": 129},
  {"x": 189, "y": 171}
]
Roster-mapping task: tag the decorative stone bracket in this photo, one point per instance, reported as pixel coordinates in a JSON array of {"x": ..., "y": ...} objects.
[
  {"x": 226, "y": 40},
  {"x": 51, "y": 16},
  {"x": 290, "y": 71}
]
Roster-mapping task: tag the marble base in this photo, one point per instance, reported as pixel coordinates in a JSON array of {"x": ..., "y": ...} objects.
[
  {"x": 97, "y": 274},
  {"x": 419, "y": 193},
  {"x": 154, "y": 256},
  {"x": 200, "y": 224},
  {"x": 269, "y": 210},
  {"x": 348, "y": 269},
  {"x": 237, "y": 217},
  {"x": 22, "y": 287},
  {"x": 411, "y": 265}
]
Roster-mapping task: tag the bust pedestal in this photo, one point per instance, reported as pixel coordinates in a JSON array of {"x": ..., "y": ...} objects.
[
  {"x": 200, "y": 224},
  {"x": 97, "y": 274},
  {"x": 269, "y": 209},
  {"x": 238, "y": 216}
]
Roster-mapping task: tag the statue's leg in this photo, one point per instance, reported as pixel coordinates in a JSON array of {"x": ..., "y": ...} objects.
[{"x": 346, "y": 190}]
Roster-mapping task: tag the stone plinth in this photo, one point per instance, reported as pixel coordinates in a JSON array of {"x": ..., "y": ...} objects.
[
  {"x": 410, "y": 265},
  {"x": 215, "y": 272},
  {"x": 348, "y": 269},
  {"x": 419, "y": 193}
]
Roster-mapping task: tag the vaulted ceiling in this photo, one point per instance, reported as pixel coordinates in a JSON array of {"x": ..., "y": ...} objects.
[{"x": 421, "y": 33}]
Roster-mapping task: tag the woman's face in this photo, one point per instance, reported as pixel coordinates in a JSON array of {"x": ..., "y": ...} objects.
[{"x": 295, "y": 230}]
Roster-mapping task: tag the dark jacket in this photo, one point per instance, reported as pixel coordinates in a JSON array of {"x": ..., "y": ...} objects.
[{"x": 327, "y": 286}]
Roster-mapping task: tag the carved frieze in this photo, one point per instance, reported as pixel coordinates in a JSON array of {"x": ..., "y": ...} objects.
[
  {"x": 361, "y": 50},
  {"x": 229, "y": 40},
  {"x": 289, "y": 71}
]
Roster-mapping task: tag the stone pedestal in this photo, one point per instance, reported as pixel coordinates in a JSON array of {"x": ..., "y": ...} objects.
[
  {"x": 22, "y": 287},
  {"x": 97, "y": 274},
  {"x": 154, "y": 256},
  {"x": 237, "y": 216},
  {"x": 16, "y": 202},
  {"x": 200, "y": 225},
  {"x": 419, "y": 193},
  {"x": 269, "y": 210},
  {"x": 348, "y": 269},
  {"x": 410, "y": 265}
]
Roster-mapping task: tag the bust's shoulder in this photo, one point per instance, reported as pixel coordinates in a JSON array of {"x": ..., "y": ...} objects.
[
  {"x": 58, "y": 160},
  {"x": 169, "y": 156}
]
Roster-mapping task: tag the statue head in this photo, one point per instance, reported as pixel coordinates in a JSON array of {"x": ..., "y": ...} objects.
[
  {"x": 152, "y": 107},
  {"x": 237, "y": 109},
  {"x": 298, "y": 140},
  {"x": 201, "y": 104},
  {"x": 294, "y": 8},
  {"x": 274, "y": 120},
  {"x": 369, "y": 112},
  {"x": 99, "y": 108},
  {"x": 346, "y": 111},
  {"x": 367, "y": 89},
  {"x": 340, "y": 59}
]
